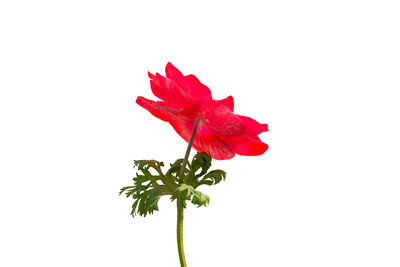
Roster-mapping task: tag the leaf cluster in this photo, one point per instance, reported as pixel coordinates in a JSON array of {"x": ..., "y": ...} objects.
[{"x": 150, "y": 183}]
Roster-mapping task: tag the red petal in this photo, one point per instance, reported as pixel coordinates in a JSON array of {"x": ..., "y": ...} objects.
[
  {"x": 247, "y": 144},
  {"x": 207, "y": 141},
  {"x": 195, "y": 88},
  {"x": 180, "y": 123},
  {"x": 173, "y": 73},
  {"x": 254, "y": 125},
  {"x": 151, "y": 76},
  {"x": 228, "y": 102},
  {"x": 159, "y": 109},
  {"x": 167, "y": 90},
  {"x": 190, "y": 84},
  {"x": 250, "y": 148},
  {"x": 221, "y": 120}
]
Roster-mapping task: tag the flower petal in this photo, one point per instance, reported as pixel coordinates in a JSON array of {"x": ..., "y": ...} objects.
[
  {"x": 167, "y": 90},
  {"x": 181, "y": 124},
  {"x": 254, "y": 125},
  {"x": 173, "y": 73},
  {"x": 159, "y": 109},
  {"x": 190, "y": 84},
  {"x": 247, "y": 145},
  {"x": 228, "y": 102},
  {"x": 206, "y": 141},
  {"x": 221, "y": 120},
  {"x": 195, "y": 88}
]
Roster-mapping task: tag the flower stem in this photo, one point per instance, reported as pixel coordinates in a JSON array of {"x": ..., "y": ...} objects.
[
  {"x": 185, "y": 159},
  {"x": 179, "y": 234},
  {"x": 179, "y": 225}
]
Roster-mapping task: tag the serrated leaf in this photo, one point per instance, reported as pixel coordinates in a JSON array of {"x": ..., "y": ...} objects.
[
  {"x": 146, "y": 190},
  {"x": 146, "y": 202},
  {"x": 200, "y": 199},
  {"x": 174, "y": 170},
  {"x": 212, "y": 178},
  {"x": 186, "y": 192},
  {"x": 149, "y": 186},
  {"x": 140, "y": 164},
  {"x": 201, "y": 161}
]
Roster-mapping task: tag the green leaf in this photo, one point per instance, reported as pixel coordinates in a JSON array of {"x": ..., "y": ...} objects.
[
  {"x": 200, "y": 199},
  {"x": 186, "y": 192},
  {"x": 150, "y": 183},
  {"x": 146, "y": 190},
  {"x": 140, "y": 164},
  {"x": 148, "y": 200},
  {"x": 201, "y": 160},
  {"x": 175, "y": 169},
  {"x": 211, "y": 178}
]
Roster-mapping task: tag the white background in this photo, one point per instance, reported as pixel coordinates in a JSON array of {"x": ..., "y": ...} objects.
[{"x": 323, "y": 74}]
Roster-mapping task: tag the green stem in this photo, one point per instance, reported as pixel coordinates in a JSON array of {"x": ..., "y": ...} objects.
[
  {"x": 179, "y": 235},
  {"x": 179, "y": 224}
]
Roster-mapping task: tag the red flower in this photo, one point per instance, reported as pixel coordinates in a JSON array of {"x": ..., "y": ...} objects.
[{"x": 220, "y": 133}]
